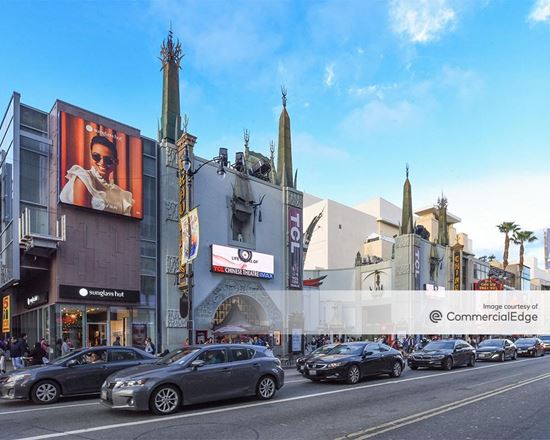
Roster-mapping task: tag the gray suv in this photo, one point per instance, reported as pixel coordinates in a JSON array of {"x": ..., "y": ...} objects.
[{"x": 193, "y": 375}]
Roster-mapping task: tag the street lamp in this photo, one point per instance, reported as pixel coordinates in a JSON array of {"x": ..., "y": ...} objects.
[{"x": 222, "y": 162}]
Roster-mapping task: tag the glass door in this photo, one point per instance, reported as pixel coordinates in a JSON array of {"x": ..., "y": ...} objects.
[{"x": 96, "y": 323}]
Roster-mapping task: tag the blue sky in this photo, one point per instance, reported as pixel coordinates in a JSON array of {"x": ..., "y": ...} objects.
[{"x": 458, "y": 89}]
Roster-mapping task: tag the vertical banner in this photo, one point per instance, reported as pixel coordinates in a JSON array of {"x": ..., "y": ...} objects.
[
  {"x": 457, "y": 266},
  {"x": 296, "y": 340},
  {"x": 547, "y": 249},
  {"x": 6, "y": 314},
  {"x": 190, "y": 236},
  {"x": 416, "y": 267},
  {"x": 295, "y": 252}
]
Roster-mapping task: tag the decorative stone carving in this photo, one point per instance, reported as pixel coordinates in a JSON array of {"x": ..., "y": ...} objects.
[
  {"x": 171, "y": 156},
  {"x": 171, "y": 208},
  {"x": 294, "y": 198},
  {"x": 204, "y": 312},
  {"x": 172, "y": 264},
  {"x": 404, "y": 269},
  {"x": 174, "y": 319}
]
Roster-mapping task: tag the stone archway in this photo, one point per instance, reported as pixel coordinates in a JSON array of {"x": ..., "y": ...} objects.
[{"x": 230, "y": 287}]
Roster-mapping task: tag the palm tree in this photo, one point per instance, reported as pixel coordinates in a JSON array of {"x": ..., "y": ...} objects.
[
  {"x": 506, "y": 228},
  {"x": 521, "y": 237}
]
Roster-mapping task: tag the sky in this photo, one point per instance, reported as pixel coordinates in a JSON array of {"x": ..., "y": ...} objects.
[{"x": 458, "y": 89}]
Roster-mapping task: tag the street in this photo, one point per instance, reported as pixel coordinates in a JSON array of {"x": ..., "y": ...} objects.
[{"x": 507, "y": 400}]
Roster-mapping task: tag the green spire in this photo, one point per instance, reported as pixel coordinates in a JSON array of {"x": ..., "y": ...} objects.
[
  {"x": 284, "y": 159},
  {"x": 407, "y": 226},
  {"x": 442, "y": 230},
  {"x": 170, "y": 56}
]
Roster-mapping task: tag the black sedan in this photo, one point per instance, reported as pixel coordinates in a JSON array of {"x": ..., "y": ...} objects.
[
  {"x": 195, "y": 374},
  {"x": 444, "y": 354},
  {"x": 496, "y": 350},
  {"x": 301, "y": 361},
  {"x": 353, "y": 361},
  {"x": 530, "y": 347},
  {"x": 80, "y": 372}
]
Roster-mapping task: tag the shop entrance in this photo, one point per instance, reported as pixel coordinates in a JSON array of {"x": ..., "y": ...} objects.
[{"x": 97, "y": 326}]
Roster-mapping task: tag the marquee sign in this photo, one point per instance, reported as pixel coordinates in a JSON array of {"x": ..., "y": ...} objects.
[
  {"x": 488, "y": 284},
  {"x": 6, "y": 314},
  {"x": 242, "y": 262},
  {"x": 457, "y": 267}
]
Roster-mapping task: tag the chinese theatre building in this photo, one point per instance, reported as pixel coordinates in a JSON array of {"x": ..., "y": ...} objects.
[{"x": 78, "y": 227}]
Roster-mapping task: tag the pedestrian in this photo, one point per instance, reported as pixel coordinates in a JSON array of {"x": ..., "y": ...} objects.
[
  {"x": 117, "y": 341},
  {"x": 58, "y": 349},
  {"x": 2, "y": 360},
  {"x": 16, "y": 353},
  {"x": 65, "y": 347},
  {"x": 149, "y": 346},
  {"x": 186, "y": 343},
  {"x": 38, "y": 355}
]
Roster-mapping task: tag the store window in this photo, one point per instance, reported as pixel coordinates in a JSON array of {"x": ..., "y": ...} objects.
[
  {"x": 71, "y": 325},
  {"x": 143, "y": 326},
  {"x": 120, "y": 325},
  {"x": 97, "y": 326}
]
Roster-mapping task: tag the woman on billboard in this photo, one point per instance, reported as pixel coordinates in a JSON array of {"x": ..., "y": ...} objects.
[{"x": 95, "y": 188}]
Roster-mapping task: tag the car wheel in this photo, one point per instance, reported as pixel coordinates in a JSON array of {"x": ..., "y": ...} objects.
[
  {"x": 396, "y": 370},
  {"x": 502, "y": 357},
  {"x": 353, "y": 374},
  {"x": 472, "y": 361},
  {"x": 266, "y": 388},
  {"x": 447, "y": 364},
  {"x": 515, "y": 355},
  {"x": 45, "y": 391},
  {"x": 165, "y": 400}
]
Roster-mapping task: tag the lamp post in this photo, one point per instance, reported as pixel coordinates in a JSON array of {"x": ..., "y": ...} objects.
[{"x": 189, "y": 173}]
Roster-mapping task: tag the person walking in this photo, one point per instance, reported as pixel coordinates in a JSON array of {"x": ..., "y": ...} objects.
[
  {"x": 149, "y": 346},
  {"x": 117, "y": 341},
  {"x": 2, "y": 359},
  {"x": 16, "y": 353},
  {"x": 65, "y": 347},
  {"x": 38, "y": 355}
]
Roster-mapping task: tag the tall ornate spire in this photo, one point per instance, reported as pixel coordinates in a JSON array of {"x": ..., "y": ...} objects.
[
  {"x": 407, "y": 213},
  {"x": 273, "y": 172},
  {"x": 442, "y": 230},
  {"x": 170, "y": 56},
  {"x": 246, "y": 138},
  {"x": 284, "y": 159}
]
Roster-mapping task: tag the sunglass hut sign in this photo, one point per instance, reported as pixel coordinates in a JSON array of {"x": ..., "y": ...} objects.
[{"x": 98, "y": 294}]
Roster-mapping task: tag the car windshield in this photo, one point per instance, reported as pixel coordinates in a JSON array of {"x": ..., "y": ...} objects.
[
  {"x": 545, "y": 338},
  {"x": 180, "y": 356},
  {"x": 440, "y": 345},
  {"x": 492, "y": 343},
  {"x": 525, "y": 341},
  {"x": 62, "y": 359},
  {"x": 351, "y": 350},
  {"x": 322, "y": 350}
]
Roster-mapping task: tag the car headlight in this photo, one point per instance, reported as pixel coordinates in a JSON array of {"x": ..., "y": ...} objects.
[
  {"x": 335, "y": 364},
  {"x": 131, "y": 383},
  {"x": 19, "y": 377}
]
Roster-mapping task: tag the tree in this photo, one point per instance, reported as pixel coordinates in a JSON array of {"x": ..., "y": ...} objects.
[
  {"x": 521, "y": 237},
  {"x": 506, "y": 228}
]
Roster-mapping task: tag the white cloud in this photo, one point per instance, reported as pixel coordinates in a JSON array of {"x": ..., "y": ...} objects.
[
  {"x": 378, "y": 116},
  {"x": 540, "y": 11},
  {"x": 377, "y": 90},
  {"x": 421, "y": 21},
  {"x": 467, "y": 83},
  {"x": 329, "y": 75}
]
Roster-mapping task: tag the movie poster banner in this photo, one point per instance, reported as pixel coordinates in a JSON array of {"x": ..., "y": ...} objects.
[
  {"x": 100, "y": 167},
  {"x": 243, "y": 262},
  {"x": 190, "y": 235},
  {"x": 6, "y": 314},
  {"x": 296, "y": 250}
]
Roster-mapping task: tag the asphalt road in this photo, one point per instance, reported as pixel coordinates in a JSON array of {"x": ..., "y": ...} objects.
[{"x": 508, "y": 400}]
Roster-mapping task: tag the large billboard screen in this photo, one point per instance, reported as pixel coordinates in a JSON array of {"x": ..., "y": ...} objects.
[
  {"x": 242, "y": 262},
  {"x": 100, "y": 167}
]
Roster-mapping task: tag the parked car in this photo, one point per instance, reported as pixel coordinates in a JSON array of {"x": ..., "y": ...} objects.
[
  {"x": 496, "y": 350},
  {"x": 530, "y": 347},
  {"x": 323, "y": 350},
  {"x": 352, "y": 361},
  {"x": 195, "y": 374},
  {"x": 445, "y": 354},
  {"x": 80, "y": 372},
  {"x": 545, "y": 342}
]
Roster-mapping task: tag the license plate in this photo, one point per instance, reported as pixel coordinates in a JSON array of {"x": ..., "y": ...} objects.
[
  {"x": 103, "y": 395},
  {"x": 312, "y": 373},
  {"x": 302, "y": 368}
]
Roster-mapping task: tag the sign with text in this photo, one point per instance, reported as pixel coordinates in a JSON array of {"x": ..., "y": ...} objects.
[
  {"x": 457, "y": 266},
  {"x": 416, "y": 268},
  {"x": 242, "y": 262},
  {"x": 6, "y": 314},
  {"x": 488, "y": 284},
  {"x": 296, "y": 251},
  {"x": 94, "y": 294},
  {"x": 35, "y": 300}
]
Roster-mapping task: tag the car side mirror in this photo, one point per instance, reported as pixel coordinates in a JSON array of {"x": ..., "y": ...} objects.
[
  {"x": 197, "y": 363},
  {"x": 367, "y": 353},
  {"x": 71, "y": 363}
]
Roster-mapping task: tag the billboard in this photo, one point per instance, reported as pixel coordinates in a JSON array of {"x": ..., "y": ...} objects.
[
  {"x": 296, "y": 251},
  {"x": 190, "y": 234},
  {"x": 100, "y": 167},
  {"x": 242, "y": 262}
]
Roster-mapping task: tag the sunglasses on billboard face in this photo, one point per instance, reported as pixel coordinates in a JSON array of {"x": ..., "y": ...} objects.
[{"x": 107, "y": 160}]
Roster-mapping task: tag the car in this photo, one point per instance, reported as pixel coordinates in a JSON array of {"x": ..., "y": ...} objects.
[
  {"x": 496, "y": 350},
  {"x": 195, "y": 374},
  {"x": 530, "y": 347},
  {"x": 445, "y": 354},
  {"x": 79, "y": 372},
  {"x": 301, "y": 361},
  {"x": 545, "y": 342},
  {"x": 350, "y": 362}
]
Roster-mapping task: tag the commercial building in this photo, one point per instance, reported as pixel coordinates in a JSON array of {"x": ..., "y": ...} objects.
[{"x": 78, "y": 228}]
